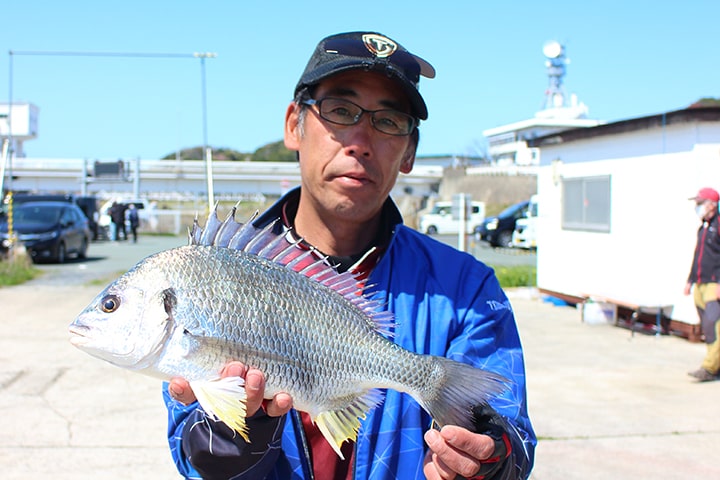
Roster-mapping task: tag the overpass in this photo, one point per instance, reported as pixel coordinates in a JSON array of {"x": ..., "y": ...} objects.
[{"x": 174, "y": 179}]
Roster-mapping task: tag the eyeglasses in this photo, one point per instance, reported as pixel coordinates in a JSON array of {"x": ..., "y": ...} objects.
[{"x": 345, "y": 112}]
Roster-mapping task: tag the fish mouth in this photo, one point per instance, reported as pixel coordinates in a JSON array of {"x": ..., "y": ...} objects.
[{"x": 77, "y": 335}]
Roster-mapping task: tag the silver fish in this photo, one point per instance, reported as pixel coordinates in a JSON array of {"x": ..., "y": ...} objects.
[{"x": 238, "y": 293}]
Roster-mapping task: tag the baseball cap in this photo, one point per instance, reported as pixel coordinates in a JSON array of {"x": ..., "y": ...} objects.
[
  {"x": 706, "y": 194},
  {"x": 369, "y": 51}
]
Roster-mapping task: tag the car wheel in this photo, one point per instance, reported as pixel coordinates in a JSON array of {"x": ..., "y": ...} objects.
[
  {"x": 60, "y": 253},
  {"x": 82, "y": 253},
  {"x": 432, "y": 230},
  {"x": 505, "y": 239}
]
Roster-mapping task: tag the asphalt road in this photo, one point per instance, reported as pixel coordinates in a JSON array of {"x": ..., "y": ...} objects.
[
  {"x": 107, "y": 260},
  {"x": 495, "y": 257}
]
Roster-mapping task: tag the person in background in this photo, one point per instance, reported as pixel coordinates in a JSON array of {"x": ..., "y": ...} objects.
[
  {"x": 705, "y": 276},
  {"x": 354, "y": 125},
  {"x": 133, "y": 220},
  {"x": 117, "y": 215}
]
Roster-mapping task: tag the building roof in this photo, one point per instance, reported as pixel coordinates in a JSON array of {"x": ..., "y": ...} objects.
[{"x": 687, "y": 115}]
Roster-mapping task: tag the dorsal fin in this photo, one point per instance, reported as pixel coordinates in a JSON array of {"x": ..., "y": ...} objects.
[{"x": 291, "y": 252}]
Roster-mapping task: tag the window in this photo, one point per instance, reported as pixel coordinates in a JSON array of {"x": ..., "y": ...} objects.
[{"x": 586, "y": 203}]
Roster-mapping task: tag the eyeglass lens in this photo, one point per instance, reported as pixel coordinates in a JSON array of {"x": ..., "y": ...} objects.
[{"x": 345, "y": 112}]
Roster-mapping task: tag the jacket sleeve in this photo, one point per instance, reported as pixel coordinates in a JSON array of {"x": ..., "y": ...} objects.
[
  {"x": 488, "y": 337},
  {"x": 208, "y": 449}
]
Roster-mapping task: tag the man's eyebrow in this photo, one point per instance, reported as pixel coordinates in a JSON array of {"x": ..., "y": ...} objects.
[{"x": 352, "y": 94}]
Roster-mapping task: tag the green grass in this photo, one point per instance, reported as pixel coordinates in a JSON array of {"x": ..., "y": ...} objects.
[
  {"x": 517, "y": 276},
  {"x": 17, "y": 269}
]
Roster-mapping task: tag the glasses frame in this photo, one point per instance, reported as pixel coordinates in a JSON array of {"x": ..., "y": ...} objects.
[{"x": 356, "y": 119}]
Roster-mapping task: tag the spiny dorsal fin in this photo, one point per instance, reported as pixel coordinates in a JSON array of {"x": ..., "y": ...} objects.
[{"x": 292, "y": 253}]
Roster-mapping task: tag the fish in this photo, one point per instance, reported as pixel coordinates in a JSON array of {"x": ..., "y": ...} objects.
[{"x": 265, "y": 298}]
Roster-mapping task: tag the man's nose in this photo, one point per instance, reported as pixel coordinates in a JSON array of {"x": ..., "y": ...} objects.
[{"x": 360, "y": 136}]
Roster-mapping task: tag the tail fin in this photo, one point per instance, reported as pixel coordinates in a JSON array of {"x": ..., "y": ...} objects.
[{"x": 456, "y": 389}]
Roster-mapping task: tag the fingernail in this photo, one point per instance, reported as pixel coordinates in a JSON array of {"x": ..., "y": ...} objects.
[
  {"x": 431, "y": 437},
  {"x": 176, "y": 391},
  {"x": 252, "y": 382}
]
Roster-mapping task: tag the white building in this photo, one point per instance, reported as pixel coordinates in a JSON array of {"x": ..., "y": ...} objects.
[
  {"x": 23, "y": 120},
  {"x": 615, "y": 223}
]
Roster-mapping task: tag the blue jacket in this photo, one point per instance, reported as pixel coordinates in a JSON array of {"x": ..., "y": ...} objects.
[{"x": 445, "y": 303}]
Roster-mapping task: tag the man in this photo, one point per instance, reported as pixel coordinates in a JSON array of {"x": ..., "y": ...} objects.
[
  {"x": 353, "y": 122},
  {"x": 117, "y": 216},
  {"x": 133, "y": 220},
  {"x": 705, "y": 275}
]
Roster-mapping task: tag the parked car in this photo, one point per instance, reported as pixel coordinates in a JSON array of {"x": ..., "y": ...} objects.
[
  {"x": 525, "y": 234},
  {"x": 498, "y": 230},
  {"x": 88, "y": 205},
  {"x": 48, "y": 230},
  {"x": 440, "y": 219}
]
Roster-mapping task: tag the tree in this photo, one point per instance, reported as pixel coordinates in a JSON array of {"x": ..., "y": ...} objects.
[
  {"x": 272, "y": 152},
  {"x": 706, "y": 102},
  {"x": 196, "y": 153}
]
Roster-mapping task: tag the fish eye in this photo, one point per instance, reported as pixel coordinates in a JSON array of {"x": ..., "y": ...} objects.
[{"x": 110, "y": 303}]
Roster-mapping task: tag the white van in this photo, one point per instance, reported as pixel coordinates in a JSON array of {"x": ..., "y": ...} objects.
[
  {"x": 525, "y": 234},
  {"x": 440, "y": 219}
]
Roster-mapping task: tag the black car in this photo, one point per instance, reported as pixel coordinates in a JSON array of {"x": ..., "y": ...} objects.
[
  {"x": 48, "y": 230},
  {"x": 89, "y": 205},
  {"x": 497, "y": 231}
]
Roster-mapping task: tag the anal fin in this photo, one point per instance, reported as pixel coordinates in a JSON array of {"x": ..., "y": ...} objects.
[{"x": 337, "y": 426}]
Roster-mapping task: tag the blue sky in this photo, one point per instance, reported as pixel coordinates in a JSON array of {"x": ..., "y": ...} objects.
[{"x": 629, "y": 58}]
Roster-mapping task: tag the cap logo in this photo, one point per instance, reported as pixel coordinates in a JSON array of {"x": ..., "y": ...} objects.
[{"x": 378, "y": 45}]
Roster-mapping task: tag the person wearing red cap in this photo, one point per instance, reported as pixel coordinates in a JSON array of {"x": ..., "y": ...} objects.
[{"x": 705, "y": 276}]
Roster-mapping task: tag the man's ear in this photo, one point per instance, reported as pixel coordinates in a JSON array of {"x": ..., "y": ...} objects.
[
  {"x": 292, "y": 130},
  {"x": 408, "y": 160}
]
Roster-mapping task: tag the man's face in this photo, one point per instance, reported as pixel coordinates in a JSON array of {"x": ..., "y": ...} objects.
[
  {"x": 705, "y": 209},
  {"x": 349, "y": 170}
]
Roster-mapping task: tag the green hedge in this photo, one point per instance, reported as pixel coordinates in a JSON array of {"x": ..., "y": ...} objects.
[{"x": 517, "y": 276}]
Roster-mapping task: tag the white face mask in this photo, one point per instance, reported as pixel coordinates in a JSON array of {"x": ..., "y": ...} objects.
[{"x": 701, "y": 210}]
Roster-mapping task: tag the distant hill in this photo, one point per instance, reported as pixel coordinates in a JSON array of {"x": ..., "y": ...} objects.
[
  {"x": 272, "y": 152},
  {"x": 706, "y": 102}
]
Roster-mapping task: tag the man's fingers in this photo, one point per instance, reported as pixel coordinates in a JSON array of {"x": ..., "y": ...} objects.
[
  {"x": 180, "y": 390},
  {"x": 480, "y": 447},
  {"x": 458, "y": 450},
  {"x": 254, "y": 389},
  {"x": 279, "y": 405},
  {"x": 234, "y": 369},
  {"x": 435, "y": 469}
]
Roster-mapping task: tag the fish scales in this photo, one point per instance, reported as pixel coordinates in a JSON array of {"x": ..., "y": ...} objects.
[
  {"x": 188, "y": 311},
  {"x": 289, "y": 330}
]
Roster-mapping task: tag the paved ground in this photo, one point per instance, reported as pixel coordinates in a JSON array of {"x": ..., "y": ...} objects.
[{"x": 605, "y": 404}]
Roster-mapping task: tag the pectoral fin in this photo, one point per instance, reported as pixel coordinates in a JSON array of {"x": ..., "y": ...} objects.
[{"x": 224, "y": 399}]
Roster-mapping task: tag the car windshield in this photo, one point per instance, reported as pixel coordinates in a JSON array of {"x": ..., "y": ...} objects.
[
  {"x": 44, "y": 214},
  {"x": 510, "y": 211}
]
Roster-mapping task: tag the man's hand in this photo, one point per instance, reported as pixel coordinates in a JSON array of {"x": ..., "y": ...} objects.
[
  {"x": 456, "y": 451},
  {"x": 279, "y": 405}
]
